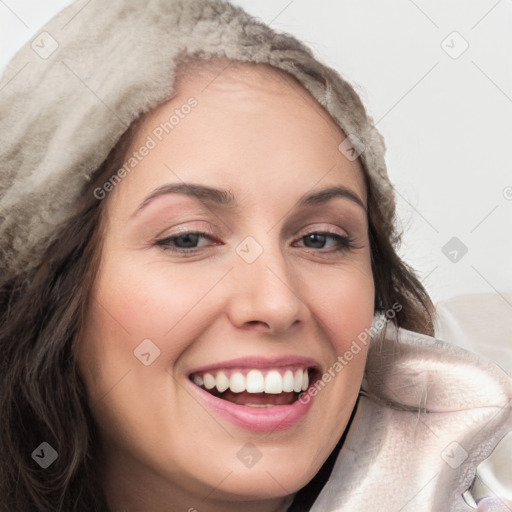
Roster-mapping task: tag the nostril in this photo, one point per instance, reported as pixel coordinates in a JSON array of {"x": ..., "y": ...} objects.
[{"x": 256, "y": 323}]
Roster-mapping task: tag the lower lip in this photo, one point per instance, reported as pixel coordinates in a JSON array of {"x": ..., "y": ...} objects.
[{"x": 257, "y": 419}]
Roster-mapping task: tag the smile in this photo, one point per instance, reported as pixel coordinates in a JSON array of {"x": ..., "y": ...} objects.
[
  {"x": 271, "y": 381},
  {"x": 260, "y": 396}
]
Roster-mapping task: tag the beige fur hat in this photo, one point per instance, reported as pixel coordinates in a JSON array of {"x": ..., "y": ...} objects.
[{"x": 70, "y": 93}]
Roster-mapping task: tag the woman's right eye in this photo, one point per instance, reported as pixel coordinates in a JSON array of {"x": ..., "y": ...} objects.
[{"x": 187, "y": 240}]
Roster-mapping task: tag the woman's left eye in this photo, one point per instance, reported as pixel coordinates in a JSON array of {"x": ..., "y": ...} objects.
[
  {"x": 343, "y": 243},
  {"x": 186, "y": 242}
]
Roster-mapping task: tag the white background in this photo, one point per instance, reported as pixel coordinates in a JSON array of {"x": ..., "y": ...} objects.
[{"x": 447, "y": 121}]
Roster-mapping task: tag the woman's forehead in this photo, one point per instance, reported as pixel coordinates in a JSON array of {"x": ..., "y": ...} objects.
[
  {"x": 234, "y": 128},
  {"x": 232, "y": 105},
  {"x": 223, "y": 82}
]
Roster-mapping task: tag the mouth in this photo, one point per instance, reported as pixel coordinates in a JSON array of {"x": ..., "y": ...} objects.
[
  {"x": 257, "y": 387},
  {"x": 256, "y": 393}
]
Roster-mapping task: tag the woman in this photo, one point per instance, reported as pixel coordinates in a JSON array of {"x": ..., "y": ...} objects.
[{"x": 202, "y": 306}]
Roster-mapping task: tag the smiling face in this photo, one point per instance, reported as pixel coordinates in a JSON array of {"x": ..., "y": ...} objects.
[{"x": 278, "y": 286}]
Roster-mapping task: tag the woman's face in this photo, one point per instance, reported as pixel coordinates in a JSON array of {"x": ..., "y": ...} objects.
[{"x": 277, "y": 285}]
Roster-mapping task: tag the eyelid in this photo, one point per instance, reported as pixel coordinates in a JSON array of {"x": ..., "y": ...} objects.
[
  {"x": 316, "y": 228},
  {"x": 183, "y": 230}
]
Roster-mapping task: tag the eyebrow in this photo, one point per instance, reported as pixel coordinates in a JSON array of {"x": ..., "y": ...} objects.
[{"x": 226, "y": 198}]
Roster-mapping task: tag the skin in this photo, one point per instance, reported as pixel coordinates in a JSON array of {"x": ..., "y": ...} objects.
[{"x": 259, "y": 133}]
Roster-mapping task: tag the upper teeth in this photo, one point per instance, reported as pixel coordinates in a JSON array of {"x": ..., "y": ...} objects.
[{"x": 255, "y": 381}]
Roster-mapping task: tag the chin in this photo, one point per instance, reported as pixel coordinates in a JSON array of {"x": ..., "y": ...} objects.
[{"x": 272, "y": 476}]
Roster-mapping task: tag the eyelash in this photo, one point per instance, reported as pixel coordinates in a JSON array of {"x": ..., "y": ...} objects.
[{"x": 345, "y": 243}]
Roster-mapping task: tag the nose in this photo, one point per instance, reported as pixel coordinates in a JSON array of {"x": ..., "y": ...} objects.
[{"x": 265, "y": 294}]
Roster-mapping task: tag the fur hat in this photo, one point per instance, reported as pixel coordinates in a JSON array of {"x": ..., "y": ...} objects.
[{"x": 69, "y": 94}]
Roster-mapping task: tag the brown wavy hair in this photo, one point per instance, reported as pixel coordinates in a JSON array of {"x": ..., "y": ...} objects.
[{"x": 42, "y": 314}]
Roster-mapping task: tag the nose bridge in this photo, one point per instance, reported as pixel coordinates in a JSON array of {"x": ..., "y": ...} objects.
[{"x": 265, "y": 289}]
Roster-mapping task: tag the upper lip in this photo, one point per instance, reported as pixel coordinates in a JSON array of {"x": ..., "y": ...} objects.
[{"x": 260, "y": 362}]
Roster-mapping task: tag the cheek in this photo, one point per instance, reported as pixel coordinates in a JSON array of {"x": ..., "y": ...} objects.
[
  {"x": 344, "y": 307},
  {"x": 344, "y": 303},
  {"x": 133, "y": 301},
  {"x": 150, "y": 300}
]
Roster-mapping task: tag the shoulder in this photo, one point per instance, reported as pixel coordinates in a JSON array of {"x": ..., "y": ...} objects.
[{"x": 430, "y": 413}]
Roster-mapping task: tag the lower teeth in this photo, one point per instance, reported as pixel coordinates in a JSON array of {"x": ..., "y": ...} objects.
[{"x": 217, "y": 394}]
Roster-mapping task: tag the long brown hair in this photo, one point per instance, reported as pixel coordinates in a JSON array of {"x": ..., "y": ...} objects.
[
  {"x": 42, "y": 314},
  {"x": 42, "y": 396}
]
